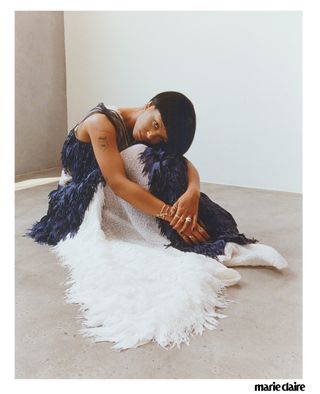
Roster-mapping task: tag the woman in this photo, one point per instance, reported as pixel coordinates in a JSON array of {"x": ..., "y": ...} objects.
[
  {"x": 145, "y": 125},
  {"x": 122, "y": 168},
  {"x": 91, "y": 155}
]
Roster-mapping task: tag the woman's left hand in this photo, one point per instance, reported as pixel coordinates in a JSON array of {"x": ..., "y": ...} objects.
[{"x": 186, "y": 206}]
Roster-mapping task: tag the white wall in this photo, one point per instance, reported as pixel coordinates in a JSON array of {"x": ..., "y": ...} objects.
[{"x": 242, "y": 71}]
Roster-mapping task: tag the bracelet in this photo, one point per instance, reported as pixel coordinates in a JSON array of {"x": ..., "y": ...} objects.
[{"x": 163, "y": 214}]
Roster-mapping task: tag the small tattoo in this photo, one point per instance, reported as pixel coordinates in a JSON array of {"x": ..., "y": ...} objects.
[{"x": 103, "y": 142}]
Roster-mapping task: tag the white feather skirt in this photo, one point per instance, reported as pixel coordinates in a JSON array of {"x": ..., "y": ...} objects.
[{"x": 131, "y": 289}]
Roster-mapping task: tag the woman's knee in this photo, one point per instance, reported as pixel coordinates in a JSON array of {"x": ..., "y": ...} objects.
[{"x": 133, "y": 165}]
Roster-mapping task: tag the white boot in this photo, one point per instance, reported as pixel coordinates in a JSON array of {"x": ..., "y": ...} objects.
[{"x": 252, "y": 255}]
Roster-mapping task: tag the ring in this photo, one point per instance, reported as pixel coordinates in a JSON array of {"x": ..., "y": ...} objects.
[
  {"x": 200, "y": 229},
  {"x": 191, "y": 236},
  {"x": 176, "y": 216},
  {"x": 188, "y": 219}
]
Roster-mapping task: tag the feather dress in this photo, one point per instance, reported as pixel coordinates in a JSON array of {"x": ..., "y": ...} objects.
[{"x": 167, "y": 180}]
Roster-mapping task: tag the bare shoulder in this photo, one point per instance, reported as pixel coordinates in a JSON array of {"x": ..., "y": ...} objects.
[{"x": 98, "y": 122}]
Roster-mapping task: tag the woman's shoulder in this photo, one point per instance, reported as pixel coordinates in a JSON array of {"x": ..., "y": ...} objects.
[
  {"x": 110, "y": 111},
  {"x": 95, "y": 121},
  {"x": 106, "y": 118},
  {"x": 98, "y": 121}
]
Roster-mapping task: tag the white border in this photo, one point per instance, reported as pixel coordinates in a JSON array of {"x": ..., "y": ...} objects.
[{"x": 311, "y": 109}]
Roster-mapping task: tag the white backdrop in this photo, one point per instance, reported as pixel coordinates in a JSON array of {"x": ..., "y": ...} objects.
[{"x": 242, "y": 71}]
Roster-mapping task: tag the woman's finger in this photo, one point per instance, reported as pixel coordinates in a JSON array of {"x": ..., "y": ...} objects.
[
  {"x": 174, "y": 220},
  {"x": 203, "y": 232},
  {"x": 177, "y": 214},
  {"x": 173, "y": 209},
  {"x": 186, "y": 239},
  {"x": 199, "y": 236},
  {"x": 186, "y": 224},
  {"x": 177, "y": 225},
  {"x": 193, "y": 238},
  {"x": 194, "y": 221}
]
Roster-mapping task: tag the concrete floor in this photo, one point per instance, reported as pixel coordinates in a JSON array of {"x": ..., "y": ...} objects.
[{"x": 260, "y": 338}]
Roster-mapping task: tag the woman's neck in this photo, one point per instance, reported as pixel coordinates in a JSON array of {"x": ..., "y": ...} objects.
[{"x": 129, "y": 116}]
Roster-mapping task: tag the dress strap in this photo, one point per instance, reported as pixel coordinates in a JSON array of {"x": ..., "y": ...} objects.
[{"x": 97, "y": 109}]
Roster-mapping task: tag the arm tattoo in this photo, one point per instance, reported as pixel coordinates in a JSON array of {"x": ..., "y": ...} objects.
[{"x": 102, "y": 142}]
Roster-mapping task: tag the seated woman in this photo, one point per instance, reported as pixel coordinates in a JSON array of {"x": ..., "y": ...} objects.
[
  {"x": 91, "y": 155},
  {"x": 125, "y": 189}
]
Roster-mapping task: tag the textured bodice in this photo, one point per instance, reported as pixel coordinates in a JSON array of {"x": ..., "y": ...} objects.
[{"x": 77, "y": 157}]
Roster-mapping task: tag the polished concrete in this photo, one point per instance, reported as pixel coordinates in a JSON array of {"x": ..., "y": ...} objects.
[{"x": 260, "y": 338}]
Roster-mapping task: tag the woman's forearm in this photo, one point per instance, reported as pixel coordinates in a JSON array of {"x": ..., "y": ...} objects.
[
  {"x": 193, "y": 178},
  {"x": 141, "y": 199}
]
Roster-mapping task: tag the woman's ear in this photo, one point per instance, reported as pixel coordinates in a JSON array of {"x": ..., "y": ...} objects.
[{"x": 148, "y": 105}]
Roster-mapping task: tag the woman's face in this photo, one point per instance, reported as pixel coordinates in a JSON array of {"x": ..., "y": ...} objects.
[{"x": 149, "y": 126}]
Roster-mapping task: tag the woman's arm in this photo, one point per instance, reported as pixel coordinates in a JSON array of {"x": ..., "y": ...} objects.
[
  {"x": 193, "y": 178},
  {"x": 188, "y": 203},
  {"x": 103, "y": 138}
]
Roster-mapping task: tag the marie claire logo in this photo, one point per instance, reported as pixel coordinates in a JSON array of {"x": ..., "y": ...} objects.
[{"x": 280, "y": 387}]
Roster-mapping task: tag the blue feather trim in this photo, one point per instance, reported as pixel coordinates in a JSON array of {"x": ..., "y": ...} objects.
[{"x": 67, "y": 206}]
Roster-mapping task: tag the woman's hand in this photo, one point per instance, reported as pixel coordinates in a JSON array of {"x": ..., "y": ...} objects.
[
  {"x": 185, "y": 207},
  {"x": 195, "y": 236}
]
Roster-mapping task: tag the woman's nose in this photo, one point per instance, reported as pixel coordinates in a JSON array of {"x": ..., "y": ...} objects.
[{"x": 153, "y": 134}]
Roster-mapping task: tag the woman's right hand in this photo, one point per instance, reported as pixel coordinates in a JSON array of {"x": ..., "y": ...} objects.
[
  {"x": 195, "y": 236},
  {"x": 191, "y": 237}
]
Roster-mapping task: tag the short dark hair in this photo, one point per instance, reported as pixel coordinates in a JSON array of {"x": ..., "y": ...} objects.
[{"x": 179, "y": 118}]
